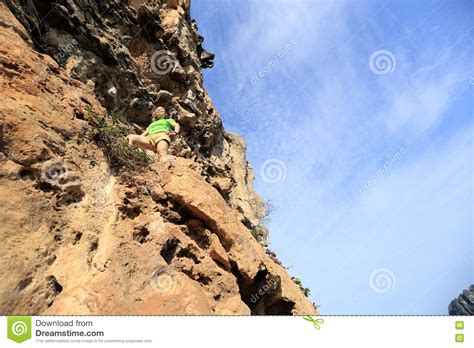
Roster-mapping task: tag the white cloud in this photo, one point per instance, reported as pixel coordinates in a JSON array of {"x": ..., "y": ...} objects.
[{"x": 336, "y": 133}]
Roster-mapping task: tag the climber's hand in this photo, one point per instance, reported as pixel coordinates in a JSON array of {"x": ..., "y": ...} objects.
[{"x": 172, "y": 134}]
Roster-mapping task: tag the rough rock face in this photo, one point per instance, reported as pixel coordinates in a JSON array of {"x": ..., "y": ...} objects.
[
  {"x": 464, "y": 304},
  {"x": 80, "y": 236}
]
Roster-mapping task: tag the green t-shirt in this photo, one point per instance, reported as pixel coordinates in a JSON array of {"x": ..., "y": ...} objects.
[{"x": 161, "y": 126}]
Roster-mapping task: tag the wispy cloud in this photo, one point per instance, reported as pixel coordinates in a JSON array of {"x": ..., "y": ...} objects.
[{"x": 334, "y": 123}]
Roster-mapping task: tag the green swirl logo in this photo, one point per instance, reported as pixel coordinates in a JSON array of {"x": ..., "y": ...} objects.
[{"x": 19, "y": 328}]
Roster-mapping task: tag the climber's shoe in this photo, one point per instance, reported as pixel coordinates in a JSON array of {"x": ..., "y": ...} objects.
[
  {"x": 166, "y": 165},
  {"x": 171, "y": 160},
  {"x": 162, "y": 165}
]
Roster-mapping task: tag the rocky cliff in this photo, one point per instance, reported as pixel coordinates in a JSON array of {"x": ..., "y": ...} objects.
[
  {"x": 90, "y": 226},
  {"x": 463, "y": 304}
]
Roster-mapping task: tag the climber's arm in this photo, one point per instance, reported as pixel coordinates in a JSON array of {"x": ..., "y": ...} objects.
[
  {"x": 176, "y": 127},
  {"x": 145, "y": 133}
]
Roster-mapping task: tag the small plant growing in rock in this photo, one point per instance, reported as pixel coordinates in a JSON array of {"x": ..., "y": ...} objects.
[
  {"x": 111, "y": 137},
  {"x": 260, "y": 232},
  {"x": 269, "y": 209},
  {"x": 271, "y": 254},
  {"x": 305, "y": 291}
]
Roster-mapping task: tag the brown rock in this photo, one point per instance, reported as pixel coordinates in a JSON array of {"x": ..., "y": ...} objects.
[
  {"x": 218, "y": 253},
  {"x": 157, "y": 193},
  {"x": 80, "y": 238},
  {"x": 188, "y": 119},
  {"x": 232, "y": 306}
]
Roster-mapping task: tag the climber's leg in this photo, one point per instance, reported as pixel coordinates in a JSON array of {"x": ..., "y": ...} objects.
[
  {"x": 140, "y": 140},
  {"x": 162, "y": 150}
]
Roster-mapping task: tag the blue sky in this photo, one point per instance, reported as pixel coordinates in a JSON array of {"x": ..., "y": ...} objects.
[{"x": 358, "y": 116}]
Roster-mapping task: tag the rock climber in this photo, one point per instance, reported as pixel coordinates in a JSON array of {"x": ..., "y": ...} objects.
[{"x": 157, "y": 135}]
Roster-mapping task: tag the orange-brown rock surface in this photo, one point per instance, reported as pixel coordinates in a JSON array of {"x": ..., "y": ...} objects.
[{"x": 79, "y": 234}]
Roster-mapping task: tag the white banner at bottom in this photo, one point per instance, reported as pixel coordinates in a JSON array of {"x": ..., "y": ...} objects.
[{"x": 238, "y": 332}]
